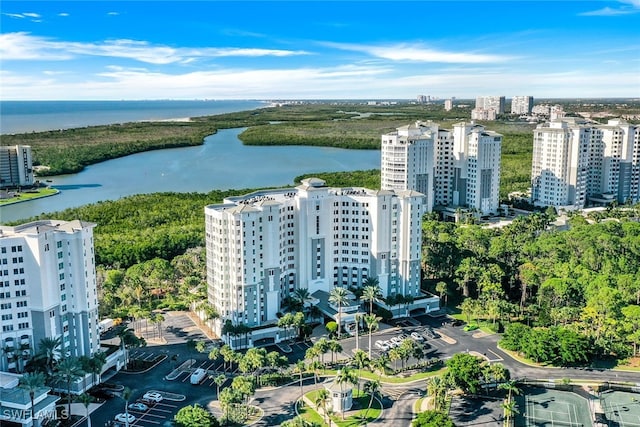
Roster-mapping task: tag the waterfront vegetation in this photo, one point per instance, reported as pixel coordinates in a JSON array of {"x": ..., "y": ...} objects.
[{"x": 25, "y": 195}]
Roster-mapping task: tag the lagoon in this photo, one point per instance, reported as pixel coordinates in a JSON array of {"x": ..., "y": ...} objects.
[{"x": 222, "y": 162}]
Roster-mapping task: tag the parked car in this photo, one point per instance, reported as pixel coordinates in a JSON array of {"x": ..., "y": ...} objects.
[
  {"x": 125, "y": 418},
  {"x": 390, "y": 344},
  {"x": 138, "y": 406},
  {"x": 396, "y": 340},
  {"x": 457, "y": 322},
  {"x": 197, "y": 376},
  {"x": 416, "y": 336},
  {"x": 381, "y": 345},
  {"x": 152, "y": 396},
  {"x": 111, "y": 386},
  {"x": 403, "y": 337}
]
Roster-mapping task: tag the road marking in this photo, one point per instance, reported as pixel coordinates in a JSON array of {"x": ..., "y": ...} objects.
[{"x": 497, "y": 359}]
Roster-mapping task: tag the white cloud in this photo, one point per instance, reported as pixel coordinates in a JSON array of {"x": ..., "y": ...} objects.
[
  {"x": 32, "y": 15},
  {"x": 330, "y": 82},
  {"x": 63, "y": 14},
  {"x": 630, "y": 6},
  {"x": 113, "y": 13},
  {"x": 14, "y": 15},
  {"x": 24, "y": 46},
  {"x": 418, "y": 53}
]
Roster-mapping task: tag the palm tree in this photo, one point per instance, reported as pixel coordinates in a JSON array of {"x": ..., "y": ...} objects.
[
  {"x": 345, "y": 375},
  {"x": 437, "y": 387},
  {"x": 303, "y": 296},
  {"x": 96, "y": 363},
  {"x": 50, "y": 349},
  {"x": 381, "y": 364},
  {"x": 372, "y": 388},
  {"x": 361, "y": 360},
  {"x": 315, "y": 366},
  {"x": 441, "y": 288},
  {"x": 371, "y": 292},
  {"x": 321, "y": 402},
  {"x": 219, "y": 380},
  {"x": 335, "y": 347},
  {"x": 126, "y": 395},
  {"x": 512, "y": 388},
  {"x": 31, "y": 382},
  {"x": 300, "y": 367},
  {"x": 69, "y": 370},
  {"x": 510, "y": 409},
  {"x": 339, "y": 297},
  {"x": 372, "y": 324},
  {"x": 86, "y": 400},
  {"x": 127, "y": 336},
  {"x": 323, "y": 346}
]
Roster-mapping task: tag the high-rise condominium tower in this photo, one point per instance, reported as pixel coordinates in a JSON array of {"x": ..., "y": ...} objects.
[
  {"x": 263, "y": 246},
  {"x": 48, "y": 287},
  {"x": 576, "y": 162},
  {"x": 452, "y": 168}
]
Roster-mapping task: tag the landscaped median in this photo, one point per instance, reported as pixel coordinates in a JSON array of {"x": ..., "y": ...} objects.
[
  {"x": 360, "y": 413},
  {"x": 384, "y": 379}
]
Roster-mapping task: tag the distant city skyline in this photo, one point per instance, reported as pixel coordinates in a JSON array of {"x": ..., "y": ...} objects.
[{"x": 318, "y": 50}]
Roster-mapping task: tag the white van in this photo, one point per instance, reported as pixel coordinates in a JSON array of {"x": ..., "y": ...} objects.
[{"x": 198, "y": 375}]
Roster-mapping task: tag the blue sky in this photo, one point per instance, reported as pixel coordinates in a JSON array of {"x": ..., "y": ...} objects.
[{"x": 318, "y": 49}]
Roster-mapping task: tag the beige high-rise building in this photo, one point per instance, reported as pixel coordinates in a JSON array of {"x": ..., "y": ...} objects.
[{"x": 521, "y": 104}]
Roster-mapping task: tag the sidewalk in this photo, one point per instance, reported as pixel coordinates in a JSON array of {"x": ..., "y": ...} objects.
[{"x": 203, "y": 326}]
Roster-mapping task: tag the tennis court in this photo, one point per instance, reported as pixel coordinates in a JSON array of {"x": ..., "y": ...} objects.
[
  {"x": 621, "y": 408},
  {"x": 541, "y": 407}
]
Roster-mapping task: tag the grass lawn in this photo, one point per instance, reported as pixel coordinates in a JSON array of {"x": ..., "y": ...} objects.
[
  {"x": 355, "y": 418},
  {"x": 29, "y": 195}
]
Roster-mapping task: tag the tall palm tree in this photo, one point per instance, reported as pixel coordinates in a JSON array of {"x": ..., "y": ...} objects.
[
  {"x": 372, "y": 388},
  {"x": 300, "y": 367},
  {"x": 127, "y": 337},
  {"x": 315, "y": 366},
  {"x": 346, "y": 375},
  {"x": 31, "y": 382},
  {"x": 437, "y": 387},
  {"x": 323, "y": 346},
  {"x": 86, "y": 400},
  {"x": 219, "y": 380},
  {"x": 303, "y": 296},
  {"x": 335, "y": 348},
  {"x": 321, "y": 402},
  {"x": 69, "y": 370},
  {"x": 510, "y": 409},
  {"x": 339, "y": 297},
  {"x": 361, "y": 360},
  {"x": 372, "y": 324},
  {"x": 381, "y": 364},
  {"x": 511, "y": 387},
  {"x": 50, "y": 349},
  {"x": 371, "y": 292},
  {"x": 126, "y": 395},
  {"x": 441, "y": 288},
  {"x": 96, "y": 363}
]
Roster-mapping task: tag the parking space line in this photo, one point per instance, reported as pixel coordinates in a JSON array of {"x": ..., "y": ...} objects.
[
  {"x": 497, "y": 359},
  {"x": 163, "y": 410},
  {"x": 149, "y": 421},
  {"x": 154, "y": 415}
]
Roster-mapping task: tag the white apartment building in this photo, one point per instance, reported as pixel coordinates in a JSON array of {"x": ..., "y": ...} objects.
[
  {"x": 482, "y": 114},
  {"x": 491, "y": 103},
  {"x": 452, "y": 168},
  {"x": 16, "y": 166},
  {"x": 521, "y": 104},
  {"x": 47, "y": 289},
  {"x": 407, "y": 157},
  {"x": 476, "y": 168},
  {"x": 576, "y": 162},
  {"x": 448, "y": 104},
  {"x": 263, "y": 246}
]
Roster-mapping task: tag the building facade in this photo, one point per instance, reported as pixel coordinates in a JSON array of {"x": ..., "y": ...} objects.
[
  {"x": 448, "y": 104},
  {"x": 459, "y": 167},
  {"x": 491, "y": 102},
  {"x": 521, "y": 104},
  {"x": 577, "y": 163},
  {"x": 47, "y": 289},
  {"x": 16, "y": 166},
  {"x": 263, "y": 246}
]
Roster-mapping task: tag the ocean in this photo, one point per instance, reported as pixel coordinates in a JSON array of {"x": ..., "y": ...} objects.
[{"x": 37, "y": 116}]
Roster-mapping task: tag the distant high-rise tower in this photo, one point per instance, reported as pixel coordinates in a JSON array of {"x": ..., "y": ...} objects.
[
  {"x": 459, "y": 167},
  {"x": 521, "y": 104},
  {"x": 491, "y": 102},
  {"x": 448, "y": 104},
  {"x": 575, "y": 162},
  {"x": 16, "y": 166}
]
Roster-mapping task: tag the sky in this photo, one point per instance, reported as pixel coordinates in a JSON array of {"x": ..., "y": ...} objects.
[{"x": 95, "y": 50}]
